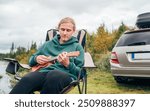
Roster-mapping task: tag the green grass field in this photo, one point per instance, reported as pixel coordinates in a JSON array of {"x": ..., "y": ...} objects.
[{"x": 100, "y": 82}]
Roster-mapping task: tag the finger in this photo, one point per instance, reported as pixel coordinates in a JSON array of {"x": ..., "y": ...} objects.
[
  {"x": 64, "y": 54},
  {"x": 42, "y": 59},
  {"x": 46, "y": 58},
  {"x": 60, "y": 58}
]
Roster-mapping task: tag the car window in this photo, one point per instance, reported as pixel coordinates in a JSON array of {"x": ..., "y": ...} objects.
[{"x": 134, "y": 39}]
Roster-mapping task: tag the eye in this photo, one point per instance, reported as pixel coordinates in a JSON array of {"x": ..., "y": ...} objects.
[
  {"x": 68, "y": 30},
  {"x": 62, "y": 29}
]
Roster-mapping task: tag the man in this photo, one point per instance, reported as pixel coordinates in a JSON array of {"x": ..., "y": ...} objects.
[{"x": 52, "y": 78}]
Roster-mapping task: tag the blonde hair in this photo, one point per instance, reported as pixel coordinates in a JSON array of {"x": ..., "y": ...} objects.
[{"x": 67, "y": 20}]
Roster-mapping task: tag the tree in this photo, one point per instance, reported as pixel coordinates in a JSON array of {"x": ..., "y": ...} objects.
[
  {"x": 102, "y": 40},
  {"x": 122, "y": 28},
  {"x": 12, "y": 52},
  {"x": 33, "y": 46},
  {"x": 90, "y": 42},
  {"x": 12, "y": 48},
  {"x": 20, "y": 50}
]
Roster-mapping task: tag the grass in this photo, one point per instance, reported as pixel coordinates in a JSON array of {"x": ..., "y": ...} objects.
[{"x": 100, "y": 82}]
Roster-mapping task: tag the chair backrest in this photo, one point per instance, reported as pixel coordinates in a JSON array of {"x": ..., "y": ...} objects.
[
  {"x": 50, "y": 34},
  {"x": 80, "y": 34}
]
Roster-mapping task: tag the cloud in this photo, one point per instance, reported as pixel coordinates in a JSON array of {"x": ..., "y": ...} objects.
[{"x": 24, "y": 21}]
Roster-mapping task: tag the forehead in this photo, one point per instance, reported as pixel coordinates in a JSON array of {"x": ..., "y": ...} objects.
[{"x": 66, "y": 25}]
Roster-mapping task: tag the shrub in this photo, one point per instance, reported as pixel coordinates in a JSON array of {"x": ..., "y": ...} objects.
[{"x": 103, "y": 62}]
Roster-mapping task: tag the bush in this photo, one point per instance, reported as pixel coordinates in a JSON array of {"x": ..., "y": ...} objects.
[{"x": 103, "y": 62}]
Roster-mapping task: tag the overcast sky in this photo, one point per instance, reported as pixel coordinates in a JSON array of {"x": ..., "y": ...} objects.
[{"x": 24, "y": 21}]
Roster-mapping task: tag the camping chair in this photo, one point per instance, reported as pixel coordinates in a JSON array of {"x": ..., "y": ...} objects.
[{"x": 13, "y": 65}]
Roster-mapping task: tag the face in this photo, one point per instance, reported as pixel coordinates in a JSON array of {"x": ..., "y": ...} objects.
[{"x": 66, "y": 30}]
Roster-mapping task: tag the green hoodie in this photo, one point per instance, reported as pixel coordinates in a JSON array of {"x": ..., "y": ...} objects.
[{"x": 53, "y": 48}]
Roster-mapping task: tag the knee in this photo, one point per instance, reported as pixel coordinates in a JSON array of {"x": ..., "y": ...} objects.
[
  {"x": 57, "y": 74},
  {"x": 26, "y": 79}
]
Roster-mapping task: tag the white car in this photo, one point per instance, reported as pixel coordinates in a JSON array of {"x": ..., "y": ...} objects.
[{"x": 130, "y": 58}]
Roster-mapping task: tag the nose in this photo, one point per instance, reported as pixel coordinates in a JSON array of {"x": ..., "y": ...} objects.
[{"x": 65, "y": 32}]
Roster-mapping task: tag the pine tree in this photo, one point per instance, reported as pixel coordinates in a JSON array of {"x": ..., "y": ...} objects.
[
  {"x": 12, "y": 48},
  {"x": 122, "y": 28}
]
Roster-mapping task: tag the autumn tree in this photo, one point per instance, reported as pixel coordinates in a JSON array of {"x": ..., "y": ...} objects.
[{"x": 102, "y": 40}]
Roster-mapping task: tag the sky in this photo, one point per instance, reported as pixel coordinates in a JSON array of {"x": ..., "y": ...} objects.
[{"x": 27, "y": 21}]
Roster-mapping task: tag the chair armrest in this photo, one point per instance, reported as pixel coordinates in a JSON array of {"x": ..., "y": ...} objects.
[
  {"x": 25, "y": 66},
  {"x": 13, "y": 66},
  {"x": 88, "y": 61},
  {"x": 10, "y": 59}
]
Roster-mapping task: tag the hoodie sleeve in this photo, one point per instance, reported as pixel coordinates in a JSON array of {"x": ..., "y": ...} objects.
[
  {"x": 32, "y": 60},
  {"x": 75, "y": 67}
]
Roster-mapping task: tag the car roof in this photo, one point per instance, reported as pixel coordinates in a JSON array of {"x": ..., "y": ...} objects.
[{"x": 137, "y": 30}]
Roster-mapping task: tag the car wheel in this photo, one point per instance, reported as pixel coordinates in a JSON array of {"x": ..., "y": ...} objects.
[{"x": 119, "y": 79}]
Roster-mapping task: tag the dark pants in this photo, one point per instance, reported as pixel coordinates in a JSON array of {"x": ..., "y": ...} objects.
[{"x": 48, "y": 83}]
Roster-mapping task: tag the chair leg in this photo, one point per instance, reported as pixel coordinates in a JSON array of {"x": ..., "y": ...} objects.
[
  {"x": 86, "y": 84},
  {"x": 83, "y": 85},
  {"x": 79, "y": 88}
]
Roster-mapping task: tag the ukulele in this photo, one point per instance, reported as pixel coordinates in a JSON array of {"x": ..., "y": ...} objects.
[{"x": 52, "y": 61}]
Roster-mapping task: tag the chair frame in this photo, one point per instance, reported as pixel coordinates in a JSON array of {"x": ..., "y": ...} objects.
[{"x": 81, "y": 83}]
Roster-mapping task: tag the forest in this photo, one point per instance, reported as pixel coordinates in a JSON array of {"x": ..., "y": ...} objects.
[{"x": 99, "y": 44}]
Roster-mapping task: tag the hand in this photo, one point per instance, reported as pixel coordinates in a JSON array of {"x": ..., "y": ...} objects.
[
  {"x": 63, "y": 59},
  {"x": 41, "y": 59}
]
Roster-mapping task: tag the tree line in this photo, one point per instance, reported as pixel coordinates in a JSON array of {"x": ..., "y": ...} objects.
[
  {"x": 103, "y": 41},
  {"x": 20, "y": 53},
  {"x": 98, "y": 43}
]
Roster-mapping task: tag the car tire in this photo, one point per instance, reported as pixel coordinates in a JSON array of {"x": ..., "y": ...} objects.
[
  {"x": 143, "y": 20},
  {"x": 119, "y": 79}
]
